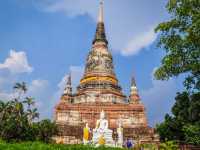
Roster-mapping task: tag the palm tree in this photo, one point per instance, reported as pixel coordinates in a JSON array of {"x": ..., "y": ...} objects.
[
  {"x": 5, "y": 108},
  {"x": 29, "y": 101},
  {"x": 32, "y": 114},
  {"x": 20, "y": 88}
]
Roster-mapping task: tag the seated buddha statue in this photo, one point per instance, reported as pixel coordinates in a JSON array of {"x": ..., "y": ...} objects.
[{"x": 101, "y": 131}]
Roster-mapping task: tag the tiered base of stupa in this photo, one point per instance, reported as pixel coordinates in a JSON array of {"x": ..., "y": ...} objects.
[{"x": 71, "y": 119}]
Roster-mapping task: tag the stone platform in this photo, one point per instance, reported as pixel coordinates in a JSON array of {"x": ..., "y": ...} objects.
[{"x": 71, "y": 119}]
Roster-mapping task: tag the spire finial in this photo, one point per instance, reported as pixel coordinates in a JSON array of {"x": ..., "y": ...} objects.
[
  {"x": 100, "y": 31},
  {"x": 133, "y": 83},
  {"x": 100, "y": 19},
  {"x": 69, "y": 81}
]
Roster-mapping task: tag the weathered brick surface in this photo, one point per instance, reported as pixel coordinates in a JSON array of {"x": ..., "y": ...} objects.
[
  {"x": 78, "y": 114},
  {"x": 132, "y": 116}
]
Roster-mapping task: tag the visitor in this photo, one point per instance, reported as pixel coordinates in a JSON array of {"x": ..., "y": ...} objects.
[
  {"x": 129, "y": 144},
  {"x": 124, "y": 143}
]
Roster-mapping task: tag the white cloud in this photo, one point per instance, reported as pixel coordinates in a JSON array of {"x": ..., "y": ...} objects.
[
  {"x": 53, "y": 99},
  {"x": 46, "y": 96},
  {"x": 16, "y": 63},
  {"x": 139, "y": 42},
  {"x": 50, "y": 98},
  {"x": 40, "y": 90},
  {"x": 5, "y": 96},
  {"x": 127, "y": 22},
  {"x": 76, "y": 74},
  {"x": 3, "y": 80},
  {"x": 72, "y": 7},
  {"x": 38, "y": 86},
  {"x": 61, "y": 85}
]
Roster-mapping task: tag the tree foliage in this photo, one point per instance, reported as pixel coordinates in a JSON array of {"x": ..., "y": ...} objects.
[
  {"x": 180, "y": 37},
  {"x": 170, "y": 145},
  {"x": 17, "y": 118},
  {"x": 192, "y": 134},
  {"x": 46, "y": 130},
  {"x": 184, "y": 123}
]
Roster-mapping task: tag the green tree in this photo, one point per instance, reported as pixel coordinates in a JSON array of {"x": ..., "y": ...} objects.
[
  {"x": 192, "y": 134},
  {"x": 14, "y": 122},
  {"x": 14, "y": 118},
  {"x": 170, "y": 129},
  {"x": 194, "y": 109},
  {"x": 180, "y": 37},
  {"x": 17, "y": 118},
  {"x": 46, "y": 130},
  {"x": 184, "y": 123}
]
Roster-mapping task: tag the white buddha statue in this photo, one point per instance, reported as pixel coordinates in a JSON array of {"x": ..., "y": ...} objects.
[
  {"x": 120, "y": 134},
  {"x": 101, "y": 132}
]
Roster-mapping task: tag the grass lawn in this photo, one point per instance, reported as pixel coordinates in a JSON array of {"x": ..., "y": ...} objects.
[{"x": 43, "y": 146}]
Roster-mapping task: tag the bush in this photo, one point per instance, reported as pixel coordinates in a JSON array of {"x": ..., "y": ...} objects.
[
  {"x": 150, "y": 146},
  {"x": 169, "y": 145}
]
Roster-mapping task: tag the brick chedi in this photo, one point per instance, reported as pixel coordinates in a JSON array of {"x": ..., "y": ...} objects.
[
  {"x": 99, "y": 90},
  {"x": 134, "y": 96}
]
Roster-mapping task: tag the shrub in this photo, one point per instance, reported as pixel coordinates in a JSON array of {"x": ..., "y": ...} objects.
[{"x": 169, "y": 145}]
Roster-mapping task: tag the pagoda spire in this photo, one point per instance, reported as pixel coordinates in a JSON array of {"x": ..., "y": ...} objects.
[
  {"x": 68, "y": 88},
  {"x": 99, "y": 76},
  {"x": 134, "y": 96},
  {"x": 100, "y": 30}
]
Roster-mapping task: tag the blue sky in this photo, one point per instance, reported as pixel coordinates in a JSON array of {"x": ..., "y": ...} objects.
[{"x": 43, "y": 40}]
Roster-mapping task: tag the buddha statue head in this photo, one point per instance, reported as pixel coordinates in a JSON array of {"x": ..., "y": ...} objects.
[
  {"x": 102, "y": 115},
  {"x": 119, "y": 123},
  {"x": 86, "y": 125}
]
